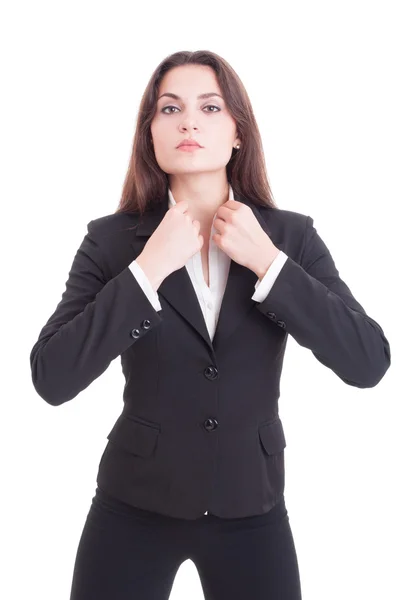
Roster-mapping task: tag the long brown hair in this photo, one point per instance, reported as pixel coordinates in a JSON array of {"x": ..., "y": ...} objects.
[{"x": 146, "y": 183}]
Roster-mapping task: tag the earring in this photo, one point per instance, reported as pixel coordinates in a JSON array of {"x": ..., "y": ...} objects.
[{"x": 237, "y": 146}]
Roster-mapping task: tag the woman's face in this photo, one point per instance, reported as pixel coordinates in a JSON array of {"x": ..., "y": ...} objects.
[{"x": 205, "y": 120}]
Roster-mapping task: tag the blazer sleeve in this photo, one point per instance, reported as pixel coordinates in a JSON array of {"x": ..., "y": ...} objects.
[
  {"x": 96, "y": 320},
  {"x": 312, "y": 303}
]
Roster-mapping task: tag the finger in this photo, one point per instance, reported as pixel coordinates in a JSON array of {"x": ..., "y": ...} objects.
[{"x": 181, "y": 206}]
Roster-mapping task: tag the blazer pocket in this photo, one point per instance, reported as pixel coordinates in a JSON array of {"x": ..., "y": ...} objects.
[
  {"x": 272, "y": 436},
  {"x": 135, "y": 435}
]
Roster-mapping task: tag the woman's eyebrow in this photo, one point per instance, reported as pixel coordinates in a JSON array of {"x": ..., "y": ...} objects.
[{"x": 205, "y": 95}]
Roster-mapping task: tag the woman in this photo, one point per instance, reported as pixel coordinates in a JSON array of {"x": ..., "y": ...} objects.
[{"x": 196, "y": 281}]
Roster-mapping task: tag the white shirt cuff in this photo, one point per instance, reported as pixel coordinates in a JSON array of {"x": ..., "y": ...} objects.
[
  {"x": 145, "y": 284},
  {"x": 263, "y": 286}
]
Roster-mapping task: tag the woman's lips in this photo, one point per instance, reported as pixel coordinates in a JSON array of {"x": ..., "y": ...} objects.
[{"x": 187, "y": 148}]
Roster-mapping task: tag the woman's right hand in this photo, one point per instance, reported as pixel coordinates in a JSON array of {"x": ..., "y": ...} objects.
[{"x": 172, "y": 243}]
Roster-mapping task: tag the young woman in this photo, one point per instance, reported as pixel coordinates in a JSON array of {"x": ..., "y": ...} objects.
[{"x": 196, "y": 281}]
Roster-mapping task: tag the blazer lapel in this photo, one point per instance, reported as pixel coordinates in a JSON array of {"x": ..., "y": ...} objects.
[{"x": 177, "y": 289}]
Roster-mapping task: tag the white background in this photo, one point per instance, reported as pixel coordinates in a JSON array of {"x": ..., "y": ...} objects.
[{"x": 330, "y": 87}]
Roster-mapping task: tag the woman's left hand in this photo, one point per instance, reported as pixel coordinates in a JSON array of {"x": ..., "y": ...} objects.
[{"x": 241, "y": 236}]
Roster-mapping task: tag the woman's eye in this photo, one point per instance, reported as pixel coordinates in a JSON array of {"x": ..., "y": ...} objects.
[{"x": 163, "y": 110}]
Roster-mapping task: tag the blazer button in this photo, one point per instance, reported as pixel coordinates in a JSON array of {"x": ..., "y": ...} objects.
[
  {"x": 210, "y": 424},
  {"x": 281, "y": 324},
  {"x": 211, "y": 372},
  {"x": 146, "y": 324},
  {"x": 135, "y": 333},
  {"x": 272, "y": 315}
]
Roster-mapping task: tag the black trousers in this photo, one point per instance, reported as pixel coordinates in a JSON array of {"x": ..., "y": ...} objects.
[{"x": 128, "y": 553}]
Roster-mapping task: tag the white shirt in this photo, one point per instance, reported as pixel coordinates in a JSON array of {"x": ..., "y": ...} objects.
[{"x": 210, "y": 298}]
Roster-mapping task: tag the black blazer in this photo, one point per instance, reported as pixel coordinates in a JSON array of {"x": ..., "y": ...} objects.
[{"x": 200, "y": 429}]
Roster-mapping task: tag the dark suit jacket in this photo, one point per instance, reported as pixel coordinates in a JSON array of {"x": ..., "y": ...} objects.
[{"x": 200, "y": 429}]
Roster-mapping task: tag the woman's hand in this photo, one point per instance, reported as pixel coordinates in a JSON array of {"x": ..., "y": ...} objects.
[
  {"x": 173, "y": 242},
  {"x": 241, "y": 236}
]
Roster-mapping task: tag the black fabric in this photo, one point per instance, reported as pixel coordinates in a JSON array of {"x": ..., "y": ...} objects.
[
  {"x": 126, "y": 553},
  {"x": 201, "y": 428}
]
